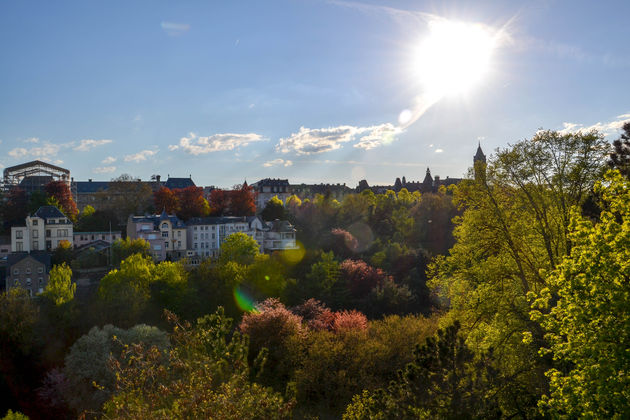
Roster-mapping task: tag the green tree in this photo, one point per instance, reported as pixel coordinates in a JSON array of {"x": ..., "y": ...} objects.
[
  {"x": 123, "y": 248},
  {"x": 240, "y": 248},
  {"x": 588, "y": 325},
  {"x": 87, "y": 366},
  {"x": 63, "y": 253},
  {"x": 515, "y": 223},
  {"x": 205, "y": 374},
  {"x": 274, "y": 209},
  {"x": 444, "y": 381},
  {"x": 60, "y": 288}
]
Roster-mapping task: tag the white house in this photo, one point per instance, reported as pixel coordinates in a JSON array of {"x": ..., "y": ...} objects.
[
  {"x": 165, "y": 233},
  {"x": 43, "y": 231}
]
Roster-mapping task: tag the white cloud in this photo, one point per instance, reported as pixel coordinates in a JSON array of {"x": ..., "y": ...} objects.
[
  {"x": 439, "y": 151},
  {"x": 45, "y": 151},
  {"x": 606, "y": 128},
  {"x": 277, "y": 162},
  {"x": 104, "y": 169},
  {"x": 87, "y": 144},
  {"x": 215, "y": 143},
  {"x": 318, "y": 140},
  {"x": 32, "y": 140},
  {"x": 140, "y": 156},
  {"x": 108, "y": 160},
  {"x": 175, "y": 29}
]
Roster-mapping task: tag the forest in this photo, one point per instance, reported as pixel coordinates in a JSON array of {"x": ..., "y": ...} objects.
[{"x": 505, "y": 296}]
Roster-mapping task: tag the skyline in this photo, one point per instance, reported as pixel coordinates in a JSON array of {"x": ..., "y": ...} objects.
[{"x": 312, "y": 91}]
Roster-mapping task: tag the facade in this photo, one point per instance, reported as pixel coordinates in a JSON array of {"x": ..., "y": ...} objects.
[
  {"x": 267, "y": 188},
  {"x": 43, "y": 231},
  {"x": 166, "y": 235},
  {"x": 29, "y": 271},
  {"x": 5, "y": 245},
  {"x": 206, "y": 234},
  {"x": 85, "y": 238}
]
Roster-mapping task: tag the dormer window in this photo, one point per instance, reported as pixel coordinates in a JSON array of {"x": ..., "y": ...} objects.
[
  {"x": 35, "y": 222},
  {"x": 164, "y": 225}
]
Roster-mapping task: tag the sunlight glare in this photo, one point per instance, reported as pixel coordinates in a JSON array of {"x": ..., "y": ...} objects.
[{"x": 454, "y": 57}]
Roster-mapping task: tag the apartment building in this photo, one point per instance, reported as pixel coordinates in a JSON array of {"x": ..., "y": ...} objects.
[{"x": 43, "y": 231}]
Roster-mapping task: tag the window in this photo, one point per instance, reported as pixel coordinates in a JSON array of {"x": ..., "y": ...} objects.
[
  {"x": 28, "y": 282},
  {"x": 51, "y": 221},
  {"x": 40, "y": 270},
  {"x": 35, "y": 222},
  {"x": 16, "y": 271},
  {"x": 179, "y": 244},
  {"x": 165, "y": 234},
  {"x": 195, "y": 245},
  {"x": 202, "y": 245},
  {"x": 165, "y": 244},
  {"x": 19, "y": 247},
  {"x": 157, "y": 247},
  {"x": 145, "y": 227},
  {"x": 195, "y": 228},
  {"x": 19, "y": 234},
  {"x": 195, "y": 236},
  {"x": 164, "y": 225},
  {"x": 213, "y": 236},
  {"x": 36, "y": 234},
  {"x": 48, "y": 233},
  {"x": 28, "y": 270},
  {"x": 40, "y": 281},
  {"x": 151, "y": 236},
  {"x": 179, "y": 233}
]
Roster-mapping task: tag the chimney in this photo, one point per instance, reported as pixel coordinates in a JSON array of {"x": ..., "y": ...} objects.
[{"x": 90, "y": 180}]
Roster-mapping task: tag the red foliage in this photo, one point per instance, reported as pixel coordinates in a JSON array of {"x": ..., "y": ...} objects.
[
  {"x": 61, "y": 192},
  {"x": 310, "y": 309},
  {"x": 165, "y": 199},
  {"x": 219, "y": 202},
  {"x": 191, "y": 202},
  {"x": 324, "y": 321},
  {"x": 271, "y": 325},
  {"x": 350, "y": 320},
  {"x": 361, "y": 277},
  {"x": 241, "y": 201}
]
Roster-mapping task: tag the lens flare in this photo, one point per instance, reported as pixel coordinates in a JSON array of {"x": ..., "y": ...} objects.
[
  {"x": 293, "y": 256},
  {"x": 244, "y": 301}
]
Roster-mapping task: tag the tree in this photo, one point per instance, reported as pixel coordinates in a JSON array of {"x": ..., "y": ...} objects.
[
  {"x": 619, "y": 158},
  {"x": 16, "y": 207},
  {"x": 60, "y": 191},
  {"x": 586, "y": 314},
  {"x": 63, "y": 253},
  {"x": 191, "y": 202},
  {"x": 515, "y": 225},
  {"x": 444, "y": 381},
  {"x": 219, "y": 202},
  {"x": 242, "y": 200},
  {"x": 60, "y": 288},
  {"x": 37, "y": 200},
  {"x": 239, "y": 248},
  {"x": 165, "y": 199},
  {"x": 124, "y": 248},
  {"x": 124, "y": 196},
  {"x": 91, "y": 381},
  {"x": 274, "y": 209},
  {"x": 204, "y": 374}
]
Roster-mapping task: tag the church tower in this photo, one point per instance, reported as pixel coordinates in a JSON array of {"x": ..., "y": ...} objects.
[{"x": 479, "y": 163}]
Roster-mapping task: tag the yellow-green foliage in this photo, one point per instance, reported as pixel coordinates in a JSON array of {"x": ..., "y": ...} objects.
[{"x": 588, "y": 329}]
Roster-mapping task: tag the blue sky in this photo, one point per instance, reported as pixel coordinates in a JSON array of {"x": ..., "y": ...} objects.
[{"x": 306, "y": 90}]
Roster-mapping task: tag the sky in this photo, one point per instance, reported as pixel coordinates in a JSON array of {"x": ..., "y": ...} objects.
[{"x": 313, "y": 91}]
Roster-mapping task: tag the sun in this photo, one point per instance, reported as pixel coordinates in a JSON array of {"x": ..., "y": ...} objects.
[{"x": 454, "y": 57}]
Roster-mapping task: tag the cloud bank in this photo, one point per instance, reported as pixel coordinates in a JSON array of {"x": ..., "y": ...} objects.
[
  {"x": 309, "y": 141},
  {"x": 195, "y": 145},
  {"x": 606, "y": 128},
  {"x": 140, "y": 156}
]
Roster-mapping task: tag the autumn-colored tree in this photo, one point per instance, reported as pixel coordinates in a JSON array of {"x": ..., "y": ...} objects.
[
  {"x": 243, "y": 200},
  {"x": 60, "y": 288},
  {"x": 165, "y": 199},
  {"x": 61, "y": 192},
  {"x": 274, "y": 209},
  {"x": 361, "y": 277},
  {"x": 219, "y": 202},
  {"x": 191, "y": 203}
]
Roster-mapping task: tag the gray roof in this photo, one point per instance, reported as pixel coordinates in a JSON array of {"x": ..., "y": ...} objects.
[
  {"x": 49, "y": 212},
  {"x": 173, "y": 183},
  {"x": 157, "y": 218},
  {"x": 86, "y": 187},
  {"x": 40, "y": 256},
  {"x": 271, "y": 182},
  {"x": 281, "y": 226}
]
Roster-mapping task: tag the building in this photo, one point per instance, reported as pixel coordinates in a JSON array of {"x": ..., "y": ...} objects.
[
  {"x": 206, "y": 234},
  {"x": 267, "y": 188},
  {"x": 29, "y": 271},
  {"x": 479, "y": 164},
  {"x": 85, "y": 238},
  {"x": 166, "y": 235},
  {"x": 33, "y": 176},
  {"x": 43, "y": 231}
]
